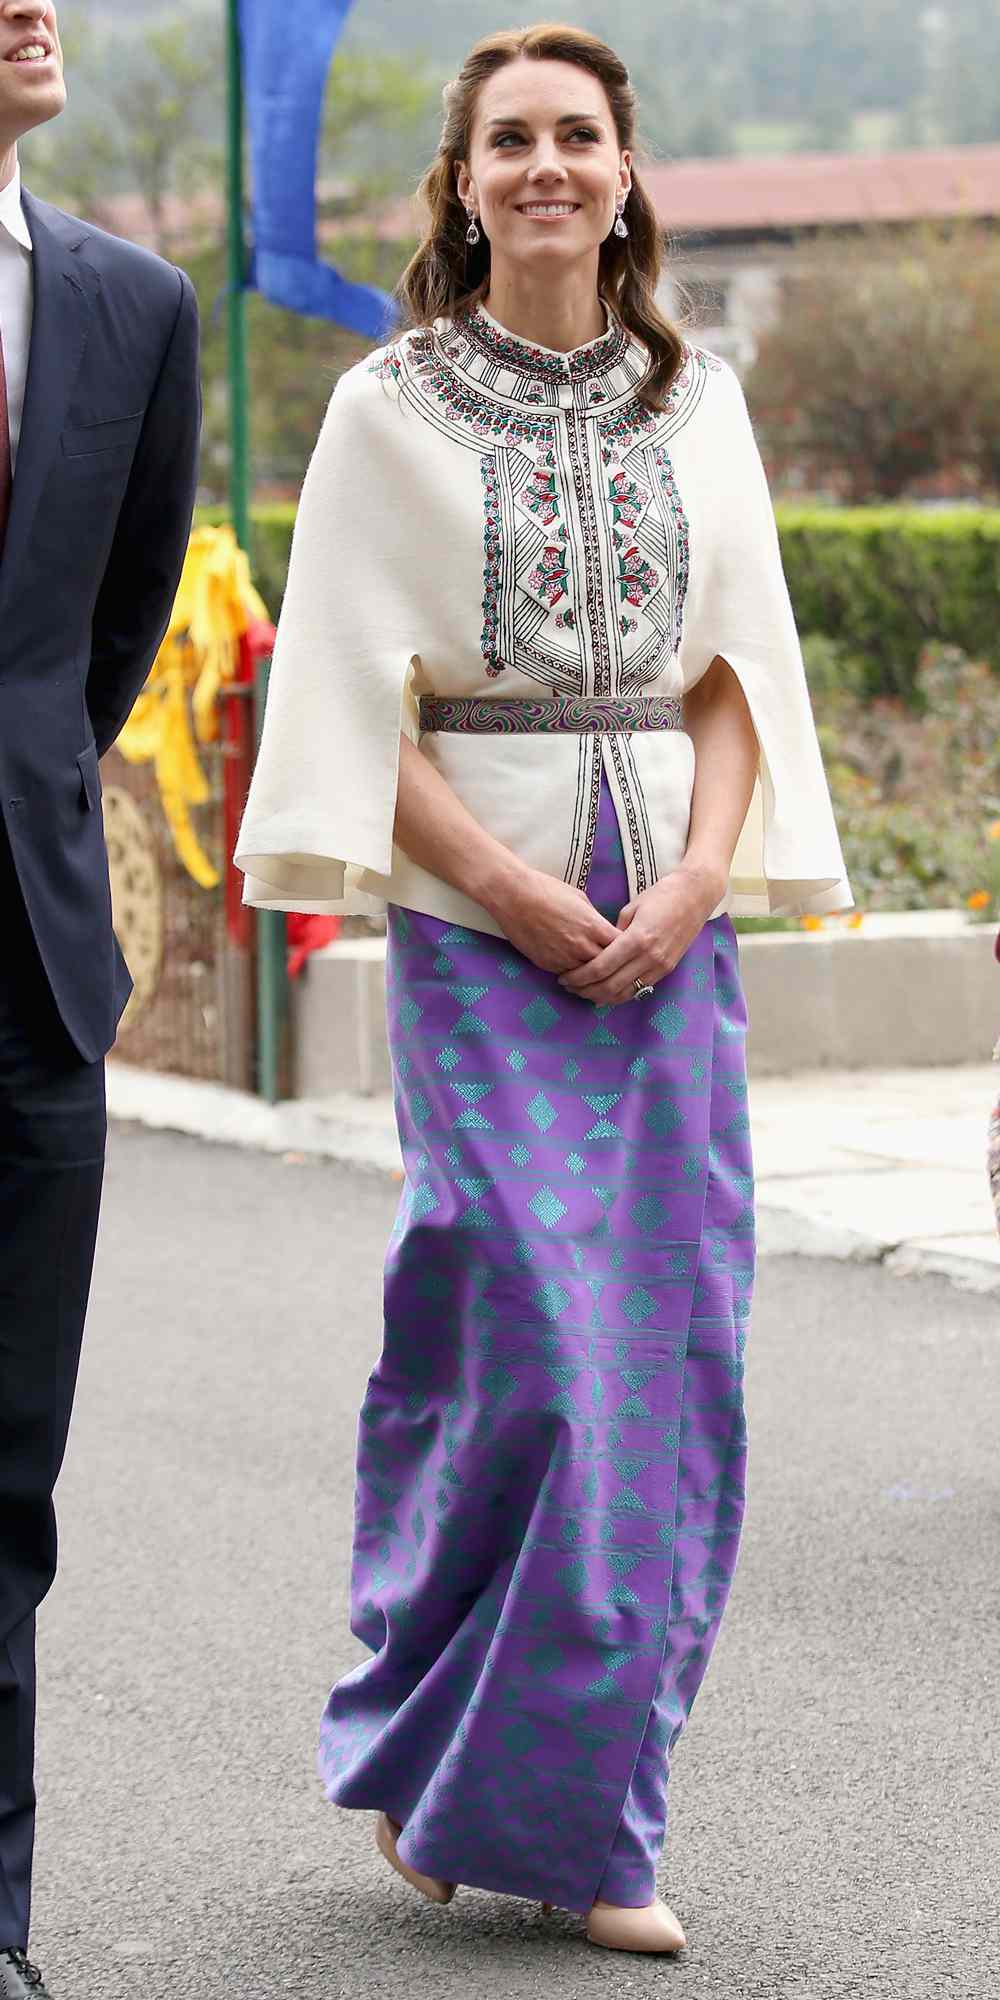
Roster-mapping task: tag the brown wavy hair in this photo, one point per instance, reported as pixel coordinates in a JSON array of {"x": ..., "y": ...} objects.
[{"x": 446, "y": 277}]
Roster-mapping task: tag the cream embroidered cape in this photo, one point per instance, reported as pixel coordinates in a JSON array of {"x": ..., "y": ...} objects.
[{"x": 484, "y": 517}]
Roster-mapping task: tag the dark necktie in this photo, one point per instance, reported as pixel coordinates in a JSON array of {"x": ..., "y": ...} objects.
[{"x": 6, "y": 479}]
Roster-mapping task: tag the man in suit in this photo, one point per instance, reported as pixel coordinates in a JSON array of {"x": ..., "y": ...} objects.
[{"x": 99, "y": 424}]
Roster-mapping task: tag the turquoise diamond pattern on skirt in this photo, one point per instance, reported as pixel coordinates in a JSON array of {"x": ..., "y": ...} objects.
[
  {"x": 548, "y": 1208},
  {"x": 638, "y": 1305},
  {"x": 602, "y": 1035},
  {"x": 539, "y": 1015},
  {"x": 669, "y": 1020},
  {"x": 649, "y": 1214},
  {"x": 473, "y": 1092},
  {"x": 541, "y": 1111},
  {"x": 663, "y": 1117},
  {"x": 550, "y": 1454},
  {"x": 552, "y": 1301},
  {"x": 424, "y": 1202}
]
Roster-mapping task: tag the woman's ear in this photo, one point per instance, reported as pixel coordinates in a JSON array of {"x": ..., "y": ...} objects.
[{"x": 463, "y": 180}]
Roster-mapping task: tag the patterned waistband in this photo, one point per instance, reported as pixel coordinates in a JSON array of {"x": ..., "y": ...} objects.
[{"x": 575, "y": 715}]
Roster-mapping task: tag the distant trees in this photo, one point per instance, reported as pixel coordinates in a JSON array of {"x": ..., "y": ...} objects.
[
  {"x": 145, "y": 117},
  {"x": 725, "y": 75},
  {"x": 167, "y": 113},
  {"x": 717, "y": 76},
  {"x": 883, "y": 369}
]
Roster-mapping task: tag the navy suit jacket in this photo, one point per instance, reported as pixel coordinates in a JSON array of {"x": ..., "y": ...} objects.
[{"x": 100, "y": 514}]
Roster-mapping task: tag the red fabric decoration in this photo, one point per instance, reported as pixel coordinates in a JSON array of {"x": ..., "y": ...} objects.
[{"x": 306, "y": 934}]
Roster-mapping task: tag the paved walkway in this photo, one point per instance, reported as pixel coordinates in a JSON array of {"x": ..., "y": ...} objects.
[
  {"x": 878, "y": 1166},
  {"x": 888, "y": 1165},
  {"x": 834, "y": 1806}
]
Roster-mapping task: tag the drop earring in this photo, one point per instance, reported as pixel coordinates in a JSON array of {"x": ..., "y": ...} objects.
[
  {"x": 472, "y": 233},
  {"x": 621, "y": 226}
]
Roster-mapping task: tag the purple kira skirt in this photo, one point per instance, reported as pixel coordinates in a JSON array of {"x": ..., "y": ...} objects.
[{"x": 552, "y": 1446}]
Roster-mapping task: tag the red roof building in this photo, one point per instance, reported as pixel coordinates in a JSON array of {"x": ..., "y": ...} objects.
[
  {"x": 732, "y": 198},
  {"x": 738, "y": 229}
]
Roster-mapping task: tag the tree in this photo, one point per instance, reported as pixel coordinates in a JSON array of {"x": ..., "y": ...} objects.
[
  {"x": 983, "y": 291},
  {"x": 379, "y": 124},
  {"x": 74, "y": 160},
  {"x": 166, "y": 115},
  {"x": 871, "y": 378},
  {"x": 167, "y": 96}
]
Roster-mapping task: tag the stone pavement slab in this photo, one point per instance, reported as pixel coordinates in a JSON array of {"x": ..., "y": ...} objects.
[
  {"x": 882, "y": 1166},
  {"x": 889, "y": 1165}
]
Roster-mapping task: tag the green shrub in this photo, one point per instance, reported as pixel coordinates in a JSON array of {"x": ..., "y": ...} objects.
[
  {"x": 884, "y": 582},
  {"x": 916, "y": 787},
  {"x": 871, "y": 586}
]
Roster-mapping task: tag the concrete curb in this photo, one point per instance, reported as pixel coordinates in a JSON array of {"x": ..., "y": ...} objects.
[
  {"x": 352, "y": 1130},
  {"x": 356, "y": 1132},
  {"x": 783, "y": 1233}
]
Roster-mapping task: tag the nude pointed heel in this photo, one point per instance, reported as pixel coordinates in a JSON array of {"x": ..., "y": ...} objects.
[
  {"x": 654, "y": 1928},
  {"x": 386, "y": 1835}
]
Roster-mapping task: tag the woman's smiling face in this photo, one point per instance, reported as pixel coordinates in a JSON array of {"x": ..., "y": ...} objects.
[{"x": 545, "y": 169}]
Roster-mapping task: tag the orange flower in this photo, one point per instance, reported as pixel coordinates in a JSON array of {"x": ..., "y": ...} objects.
[
  {"x": 980, "y": 900},
  {"x": 993, "y": 830},
  {"x": 812, "y": 923},
  {"x": 855, "y": 920}
]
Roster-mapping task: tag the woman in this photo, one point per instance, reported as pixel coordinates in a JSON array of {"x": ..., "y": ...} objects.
[{"x": 536, "y": 684}]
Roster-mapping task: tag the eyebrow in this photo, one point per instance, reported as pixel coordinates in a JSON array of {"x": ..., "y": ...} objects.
[{"x": 570, "y": 118}]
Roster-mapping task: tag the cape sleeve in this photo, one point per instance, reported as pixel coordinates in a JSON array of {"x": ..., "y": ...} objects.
[
  {"x": 788, "y": 858},
  {"x": 323, "y": 795}
]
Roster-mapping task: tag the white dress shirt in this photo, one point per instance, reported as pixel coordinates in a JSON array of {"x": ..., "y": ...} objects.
[{"x": 16, "y": 302}]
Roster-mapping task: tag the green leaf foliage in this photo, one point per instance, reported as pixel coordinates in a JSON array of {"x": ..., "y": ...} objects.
[{"x": 883, "y": 582}]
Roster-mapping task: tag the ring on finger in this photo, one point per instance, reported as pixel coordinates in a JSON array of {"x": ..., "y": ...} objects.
[{"x": 641, "y": 989}]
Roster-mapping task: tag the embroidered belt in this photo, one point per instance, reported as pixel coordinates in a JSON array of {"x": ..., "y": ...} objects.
[{"x": 575, "y": 715}]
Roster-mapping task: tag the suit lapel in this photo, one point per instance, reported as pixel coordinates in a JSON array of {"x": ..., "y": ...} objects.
[{"x": 64, "y": 286}]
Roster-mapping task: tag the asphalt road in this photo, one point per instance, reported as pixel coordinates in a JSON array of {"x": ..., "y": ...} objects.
[{"x": 835, "y": 1805}]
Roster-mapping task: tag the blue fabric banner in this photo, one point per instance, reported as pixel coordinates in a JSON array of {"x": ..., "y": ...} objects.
[{"x": 287, "y": 53}]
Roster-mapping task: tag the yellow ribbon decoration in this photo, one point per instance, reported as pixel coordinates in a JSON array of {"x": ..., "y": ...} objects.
[{"x": 215, "y": 603}]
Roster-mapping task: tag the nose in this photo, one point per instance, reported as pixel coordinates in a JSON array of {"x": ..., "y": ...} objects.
[
  {"x": 23, "y": 10},
  {"x": 546, "y": 167}
]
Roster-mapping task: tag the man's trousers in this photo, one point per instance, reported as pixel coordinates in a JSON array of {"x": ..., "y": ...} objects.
[{"x": 52, "y": 1140}]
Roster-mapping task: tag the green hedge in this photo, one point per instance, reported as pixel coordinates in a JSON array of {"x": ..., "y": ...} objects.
[
  {"x": 879, "y": 582},
  {"x": 882, "y": 582}
]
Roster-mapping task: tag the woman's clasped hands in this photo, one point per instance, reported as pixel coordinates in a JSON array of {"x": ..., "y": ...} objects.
[{"x": 559, "y": 930}]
